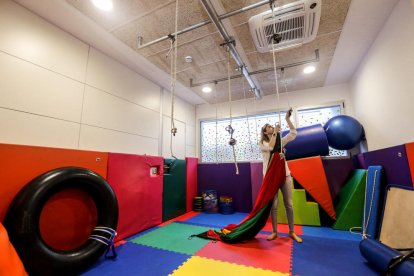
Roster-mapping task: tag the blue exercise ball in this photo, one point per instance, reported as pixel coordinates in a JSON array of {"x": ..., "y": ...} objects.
[{"x": 343, "y": 132}]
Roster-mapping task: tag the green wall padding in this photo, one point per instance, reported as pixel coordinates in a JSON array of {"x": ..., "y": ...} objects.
[
  {"x": 174, "y": 194},
  {"x": 350, "y": 205},
  {"x": 304, "y": 212}
]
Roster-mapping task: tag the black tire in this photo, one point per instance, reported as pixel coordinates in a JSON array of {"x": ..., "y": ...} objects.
[{"x": 22, "y": 221}]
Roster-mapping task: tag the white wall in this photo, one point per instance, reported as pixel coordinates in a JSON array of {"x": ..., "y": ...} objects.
[
  {"x": 298, "y": 99},
  {"x": 57, "y": 91},
  {"x": 383, "y": 86}
]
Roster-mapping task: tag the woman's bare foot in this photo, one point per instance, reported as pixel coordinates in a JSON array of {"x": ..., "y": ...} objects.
[
  {"x": 294, "y": 237},
  {"x": 272, "y": 236}
]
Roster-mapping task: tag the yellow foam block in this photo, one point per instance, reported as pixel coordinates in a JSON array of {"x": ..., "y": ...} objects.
[{"x": 206, "y": 267}]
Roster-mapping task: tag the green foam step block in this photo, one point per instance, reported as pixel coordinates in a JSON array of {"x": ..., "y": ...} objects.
[
  {"x": 174, "y": 237},
  {"x": 304, "y": 212},
  {"x": 350, "y": 202}
]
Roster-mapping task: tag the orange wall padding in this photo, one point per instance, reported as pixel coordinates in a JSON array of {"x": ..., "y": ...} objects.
[
  {"x": 10, "y": 263},
  {"x": 75, "y": 215},
  {"x": 310, "y": 174},
  {"x": 191, "y": 181},
  {"x": 409, "y": 148}
]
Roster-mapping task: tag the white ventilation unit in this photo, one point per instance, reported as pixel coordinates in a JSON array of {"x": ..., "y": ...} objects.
[{"x": 295, "y": 23}]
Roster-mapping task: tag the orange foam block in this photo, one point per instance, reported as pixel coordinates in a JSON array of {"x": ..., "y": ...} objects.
[
  {"x": 409, "y": 148},
  {"x": 310, "y": 174},
  {"x": 10, "y": 263}
]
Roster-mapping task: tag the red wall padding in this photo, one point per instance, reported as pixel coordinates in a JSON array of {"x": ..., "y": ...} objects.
[
  {"x": 139, "y": 192},
  {"x": 409, "y": 148},
  {"x": 66, "y": 223},
  {"x": 191, "y": 181}
]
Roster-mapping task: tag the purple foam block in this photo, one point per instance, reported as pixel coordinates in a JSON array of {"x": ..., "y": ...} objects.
[
  {"x": 256, "y": 173},
  {"x": 337, "y": 171},
  {"x": 395, "y": 163},
  {"x": 359, "y": 161},
  {"x": 223, "y": 178},
  {"x": 310, "y": 141}
]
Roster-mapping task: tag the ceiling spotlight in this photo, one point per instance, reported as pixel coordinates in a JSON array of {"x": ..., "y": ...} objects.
[
  {"x": 206, "y": 89},
  {"x": 309, "y": 69},
  {"x": 105, "y": 5}
]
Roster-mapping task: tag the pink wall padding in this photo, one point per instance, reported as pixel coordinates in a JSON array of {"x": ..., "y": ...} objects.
[
  {"x": 256, "y": 174},
  {"x": 191, "y": 189},
  {"x": 138, "y": 190}
]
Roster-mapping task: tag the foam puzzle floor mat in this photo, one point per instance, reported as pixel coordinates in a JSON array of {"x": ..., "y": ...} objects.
[{"x": 166, "y": 250}]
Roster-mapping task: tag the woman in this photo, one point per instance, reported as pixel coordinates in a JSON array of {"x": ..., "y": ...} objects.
[{"x": 267, "y": 143}]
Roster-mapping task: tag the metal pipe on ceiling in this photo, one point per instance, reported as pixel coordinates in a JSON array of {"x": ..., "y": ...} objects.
[
  {"x": 201, "y": 24},
  {"x": 280, "y": 67},
  {"x": 233, "y": 51}
]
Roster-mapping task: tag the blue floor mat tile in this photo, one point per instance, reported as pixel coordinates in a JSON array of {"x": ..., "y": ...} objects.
[
  {"x": 316, "y": 256},
  {"x": 216, "y": 220},
  {"x": 326, "y": 232},
  {"x": 135, "y": 259}
]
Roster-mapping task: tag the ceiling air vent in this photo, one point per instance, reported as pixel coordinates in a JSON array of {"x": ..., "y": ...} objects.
[{"x": 296, "y": 23}]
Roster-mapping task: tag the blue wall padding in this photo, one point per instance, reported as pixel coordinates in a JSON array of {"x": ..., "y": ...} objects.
[
  {"x": 379, "y": 256},
  {"x": 373, "y": 201},
  {"x": 310, "y": 141},
  {"x": 223, "y": 178}
]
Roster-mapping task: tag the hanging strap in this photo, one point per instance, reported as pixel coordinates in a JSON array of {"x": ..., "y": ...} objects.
[{"x": 106, "y": 236}]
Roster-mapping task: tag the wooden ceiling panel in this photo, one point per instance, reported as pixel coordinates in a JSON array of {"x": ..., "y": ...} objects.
[{"x": 153, "y": 19}]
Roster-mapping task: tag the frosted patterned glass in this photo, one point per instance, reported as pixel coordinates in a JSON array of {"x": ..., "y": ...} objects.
[{"x": 246, "y": 133}]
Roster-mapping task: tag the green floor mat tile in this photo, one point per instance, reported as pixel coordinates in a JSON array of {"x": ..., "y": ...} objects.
[{"x": 174, "y": 237}]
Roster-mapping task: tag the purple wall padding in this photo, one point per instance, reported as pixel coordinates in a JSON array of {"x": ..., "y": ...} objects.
[
  {"x": 310, "y": 141},
  {"x": 337, "y": 171},
  {"x": 359, "y": 161},
  {"x": 256, "y": 174},
  {"x": 395, "y": 163},
  {"x": 223, "y": 178}
]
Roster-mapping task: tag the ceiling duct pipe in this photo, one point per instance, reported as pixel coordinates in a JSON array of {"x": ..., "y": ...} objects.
[{"x": 220, "y": 27}]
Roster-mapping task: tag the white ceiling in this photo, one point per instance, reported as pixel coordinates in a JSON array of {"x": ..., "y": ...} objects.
[{"x": 364, "y": 20}]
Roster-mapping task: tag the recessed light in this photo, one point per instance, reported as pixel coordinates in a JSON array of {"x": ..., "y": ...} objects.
[
  {"x": 206, "y": 89},
  {"x": 105, "y": 5},
  {"x": 309, "y": 69}
]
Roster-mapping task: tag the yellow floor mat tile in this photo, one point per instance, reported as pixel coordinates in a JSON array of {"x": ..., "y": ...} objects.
[{"x": 206, "y": 267}]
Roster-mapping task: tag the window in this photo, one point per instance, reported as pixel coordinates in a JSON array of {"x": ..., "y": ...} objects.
[{"x": 214, "y": 139}]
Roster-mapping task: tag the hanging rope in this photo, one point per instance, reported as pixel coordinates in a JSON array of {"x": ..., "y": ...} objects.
[
  {"x": 256, "y": 131},
  {"x": 229, "y": 128},
  {"x": 247, "y": 116},
  {"x": 284, "y": 83},
  {"x": 173, "y": 70},
  {"x": 215, "y": 99},
  {"x": 366, "y": 220},
  {"x": 276, "y": 38}
]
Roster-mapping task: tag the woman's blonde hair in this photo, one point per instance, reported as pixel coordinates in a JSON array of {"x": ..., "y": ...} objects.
[{"x": 263, "y": 135}]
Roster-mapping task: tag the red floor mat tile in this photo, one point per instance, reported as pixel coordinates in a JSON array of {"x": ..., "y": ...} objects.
[
  {"x": 282, "y": 228},
  {"x": 259, "y": 252}
]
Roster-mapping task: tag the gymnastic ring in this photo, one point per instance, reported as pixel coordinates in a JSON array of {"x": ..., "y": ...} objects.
[{"x": 23, "y": 214}]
